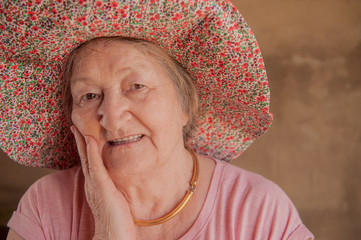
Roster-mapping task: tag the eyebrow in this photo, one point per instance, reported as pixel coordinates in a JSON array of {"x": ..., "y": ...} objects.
[
  {"x": 126, "y": 71},
  {"x": 75, "y": 82},
  {"x": 123, "y": 69},
  {"x": 81, "y": 79}
]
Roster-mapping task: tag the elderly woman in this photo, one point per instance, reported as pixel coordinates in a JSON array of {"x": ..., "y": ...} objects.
[{"x": 150, "y": 152}]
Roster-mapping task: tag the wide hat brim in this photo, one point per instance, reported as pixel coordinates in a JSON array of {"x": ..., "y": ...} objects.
[{"x": 209, "y": 38}]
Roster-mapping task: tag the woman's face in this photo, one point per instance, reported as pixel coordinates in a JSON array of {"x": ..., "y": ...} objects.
[{"x": 128, "y": 103}]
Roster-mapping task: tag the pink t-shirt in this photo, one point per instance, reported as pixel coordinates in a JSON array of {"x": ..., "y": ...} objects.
[{"x": 239, "y": 205}]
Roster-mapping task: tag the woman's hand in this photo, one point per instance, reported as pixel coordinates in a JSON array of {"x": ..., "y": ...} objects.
[{"x": 110, "y": 209}]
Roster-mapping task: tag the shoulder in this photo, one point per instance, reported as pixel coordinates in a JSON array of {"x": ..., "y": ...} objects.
[
  {"x": 252, "y": 190},
  {"x": 253, "y": 205},
  {"x": 54, "y": 207},
  {"x": 52, "y": 191},
  {"x": 243, "y": 182},
  {"x": 241, "y": 188},
  {"x": 64, "y": 181},
  {"x": 68, "y": 175}
]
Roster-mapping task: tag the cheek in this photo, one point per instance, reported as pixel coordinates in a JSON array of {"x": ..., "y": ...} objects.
[
  {"x": 85, "y": 122},
  {"x": 166, "y": 117}
]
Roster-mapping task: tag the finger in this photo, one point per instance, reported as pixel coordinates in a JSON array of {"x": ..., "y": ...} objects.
[
  {"x": 81, "y": 145},
  {"x": 96, "y": 167}
]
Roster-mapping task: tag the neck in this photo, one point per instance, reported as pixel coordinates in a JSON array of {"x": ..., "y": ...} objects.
[{"x": 157, "y": 190}]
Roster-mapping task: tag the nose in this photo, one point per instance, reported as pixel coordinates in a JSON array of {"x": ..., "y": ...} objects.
[{"x": 113, "y": 112}]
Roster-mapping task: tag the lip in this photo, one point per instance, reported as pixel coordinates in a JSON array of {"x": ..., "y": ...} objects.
[{"x": 125, "y": 140}]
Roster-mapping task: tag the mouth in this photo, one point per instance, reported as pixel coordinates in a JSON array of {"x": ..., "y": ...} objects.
[{"x": 126, "y": 140}]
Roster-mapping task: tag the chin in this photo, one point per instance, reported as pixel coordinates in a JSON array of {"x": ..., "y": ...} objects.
[{"x": 126, "y": 164}]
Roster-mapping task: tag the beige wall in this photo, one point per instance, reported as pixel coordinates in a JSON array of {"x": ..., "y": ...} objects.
[{"x": 312, "y": 50}]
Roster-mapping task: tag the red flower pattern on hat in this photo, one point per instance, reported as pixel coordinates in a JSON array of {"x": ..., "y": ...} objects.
[{"x": 209, "y": 38}]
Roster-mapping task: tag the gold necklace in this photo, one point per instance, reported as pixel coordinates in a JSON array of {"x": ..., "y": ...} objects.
[{"x": 182, "y": 204}]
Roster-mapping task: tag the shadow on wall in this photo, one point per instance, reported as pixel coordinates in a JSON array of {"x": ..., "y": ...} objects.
[{"x": 3, "y": 232}]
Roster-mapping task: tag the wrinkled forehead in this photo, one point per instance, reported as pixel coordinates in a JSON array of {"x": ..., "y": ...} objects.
[
  {"x": 94, "y": 48},
  {"x": 110, "y": 53}
]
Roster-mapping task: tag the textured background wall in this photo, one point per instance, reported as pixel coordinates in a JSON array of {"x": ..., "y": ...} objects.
[{"x": 312, "y": 50}]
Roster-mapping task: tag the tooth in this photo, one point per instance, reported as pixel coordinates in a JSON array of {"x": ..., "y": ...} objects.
[{"x": 125, "y": 139}]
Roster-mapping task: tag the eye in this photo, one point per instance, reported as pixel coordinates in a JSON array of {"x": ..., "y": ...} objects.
[
  {"x": 136, "y": 86},
  {"x": 89, "y": 96}
]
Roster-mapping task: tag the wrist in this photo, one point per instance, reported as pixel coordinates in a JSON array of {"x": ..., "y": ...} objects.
[{"x": 114, "y": 231}]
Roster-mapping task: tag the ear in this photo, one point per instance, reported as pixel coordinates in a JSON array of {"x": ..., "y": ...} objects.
[{"x": 185, "y": 118}]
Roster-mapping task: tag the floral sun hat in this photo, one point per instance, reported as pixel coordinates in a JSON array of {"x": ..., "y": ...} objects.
[{"x": 209, "y": 38}]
